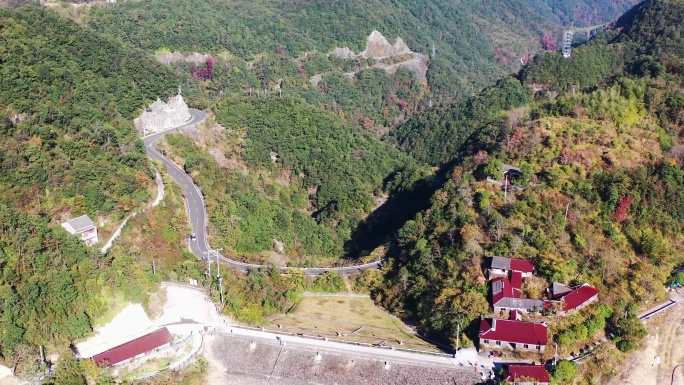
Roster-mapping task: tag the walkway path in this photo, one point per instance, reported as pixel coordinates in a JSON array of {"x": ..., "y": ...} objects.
[{"x": 674, "y": 298}]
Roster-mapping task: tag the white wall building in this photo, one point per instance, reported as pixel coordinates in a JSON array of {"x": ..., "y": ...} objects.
[{"x": 84, "y": 226}]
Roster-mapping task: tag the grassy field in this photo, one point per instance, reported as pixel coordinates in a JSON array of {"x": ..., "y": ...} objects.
[{"x": 351, "y": 318}]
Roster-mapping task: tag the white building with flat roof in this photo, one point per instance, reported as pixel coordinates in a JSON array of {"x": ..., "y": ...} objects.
[{"x": 84, "y": 226}]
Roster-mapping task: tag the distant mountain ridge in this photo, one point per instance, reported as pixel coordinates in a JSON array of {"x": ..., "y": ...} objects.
[{"x": 475, "y": 42}]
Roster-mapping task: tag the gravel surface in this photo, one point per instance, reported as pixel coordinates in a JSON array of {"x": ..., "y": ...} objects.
[{"x": 283, "y": 365}]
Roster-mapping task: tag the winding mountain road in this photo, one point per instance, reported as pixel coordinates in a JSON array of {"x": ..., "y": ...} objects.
[{"x": 198, "y": 215}]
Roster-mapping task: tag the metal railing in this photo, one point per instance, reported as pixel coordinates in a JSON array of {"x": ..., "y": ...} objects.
[
  {"x": 348, "y": 342},
  {"x": 174, "y": 367}
]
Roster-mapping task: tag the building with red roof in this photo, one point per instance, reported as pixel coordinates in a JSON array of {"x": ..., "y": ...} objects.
[
  {"x": 511, "y": 334},
  {"x": 506, "y": 297},
  {"x": 135, "y": 348},
  {"x": 501, "y": 288},
  {"x": 504, "y": 266},
  {"x": 579, "y": 297},
  {"x": 515, "y": 315},
  {"x": 516, "y": 283},
  {"x": 527, "y": 375},
  {"x": 557, "y": 290}
]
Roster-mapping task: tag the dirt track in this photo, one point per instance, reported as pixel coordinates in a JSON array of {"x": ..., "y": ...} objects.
[{"x": 666, "y": 333}]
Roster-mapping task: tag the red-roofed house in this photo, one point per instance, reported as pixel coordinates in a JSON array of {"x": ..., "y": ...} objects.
[
  {"x": 501, "y": 288},
  {"x": 509, "y": 334},
  {"x": 503, "y": 266},
  {"x": 527, "y": 375},
  {"x": 516, "y": 283},
  {"x": 557, "y": 290},
  {"x": 136, "y": 348},
  {"x": 579, "y": 297},
  {"x": 515, "y": 315},
  {"x": 505, "y": 298}
]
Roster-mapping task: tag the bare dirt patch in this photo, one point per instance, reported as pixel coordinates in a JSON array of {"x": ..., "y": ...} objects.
[
  {"x": 128, "y": 324},
  {"x": 156, "y": 303},
  {"x": 663, "y": 350},
  {"x": 6, "y": 376},
  {"x": 216, "y": 370}
]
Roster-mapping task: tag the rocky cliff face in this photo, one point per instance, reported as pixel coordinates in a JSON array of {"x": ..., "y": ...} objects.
[
  {"x": 173, "y": 57},
  {"x": 160, "y": 116},
  {"x": 377, "y": 46}
]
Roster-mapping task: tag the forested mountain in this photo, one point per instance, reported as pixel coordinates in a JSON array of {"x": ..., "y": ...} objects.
[
  {"x": 67, "y": 100},
  {"x": 475, "y": 41},
  {"x": 598, "y": 139},
  {"x": 438, "y": 136},
  {"x": 67, "y": 147},
  {"x": 297, "y": 179},
  {"x": 286, "y": 171},
  {"x": 583, "y": 13}
]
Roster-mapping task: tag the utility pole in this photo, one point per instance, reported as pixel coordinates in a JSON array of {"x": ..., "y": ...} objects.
[
  {"x": 433, "y": 50},
  {"x": 218, "y": 276},
  {"x": 154, "y": 268},
  {"x": 505, "y": 187},
  {"x": 566, "y": 211},
  {"x": 458, "y": 335},
  {"x": 555, "y": 356}
]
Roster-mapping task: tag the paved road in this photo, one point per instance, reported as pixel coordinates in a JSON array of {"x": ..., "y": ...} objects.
[{"x": 198, "y": 215}]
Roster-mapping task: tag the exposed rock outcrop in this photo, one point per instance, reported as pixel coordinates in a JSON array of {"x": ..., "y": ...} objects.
[
  {"x": 377, "y": 47},
  {"x": 173, "y": 57},
  {"x": 160, "y": 116},
  {"x": 400, "y": 47},
  {"x": 344, "y": 53}
]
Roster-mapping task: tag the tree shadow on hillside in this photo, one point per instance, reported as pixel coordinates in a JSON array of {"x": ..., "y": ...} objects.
[{"x": 383, "y": 223}]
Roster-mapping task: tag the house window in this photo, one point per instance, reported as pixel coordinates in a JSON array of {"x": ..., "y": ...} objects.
[
  {"x": 538, "y": 347},
  {"x": 486, "y": 341},
  {"x": 526, "y": 346},
  {"x": 498, "y": 343}
]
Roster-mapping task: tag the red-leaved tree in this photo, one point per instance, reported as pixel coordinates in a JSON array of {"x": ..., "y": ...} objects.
[
  {"x": 203, "y": 73},
  {"x": 548, "y": 42},
  {"x": 620, "y": 213}
]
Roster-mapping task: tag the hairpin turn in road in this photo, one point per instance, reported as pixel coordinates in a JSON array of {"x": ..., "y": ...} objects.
[{"x": 198, "y": 215}]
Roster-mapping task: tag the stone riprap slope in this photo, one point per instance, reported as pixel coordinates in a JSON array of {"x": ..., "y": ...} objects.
[
  {"x": 377, "y": 47},
  {"x": 284, "y": 365},
  {"x": 160, "y": 116}
]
